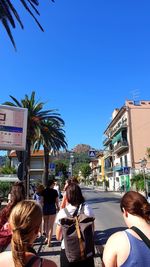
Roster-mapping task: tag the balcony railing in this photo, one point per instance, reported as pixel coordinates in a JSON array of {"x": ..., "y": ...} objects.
[
  {"x": 107, "y": 141},
  {"x": 118, "y": 128},
  {"x": 108, "y": 169},
  {"x": 107, "y": 153},
  {"x": 120, "y": 146}
]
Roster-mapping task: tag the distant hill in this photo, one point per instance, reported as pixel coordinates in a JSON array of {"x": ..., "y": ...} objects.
[{"x": 82, "y": 148}]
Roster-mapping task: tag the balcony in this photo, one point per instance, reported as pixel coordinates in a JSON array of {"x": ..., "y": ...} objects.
[
  {"x": 107, "y": 153},
  {"x": 120, "y": 126},
  {"x": 121, "y": 146},
  {"x": 107, "y": 141},
  {"x": 117, "y": 168}
]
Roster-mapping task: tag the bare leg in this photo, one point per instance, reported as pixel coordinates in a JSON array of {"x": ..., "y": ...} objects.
[
  {"x": 46, "y": 225},
  {"x": 51, "y": 224}
]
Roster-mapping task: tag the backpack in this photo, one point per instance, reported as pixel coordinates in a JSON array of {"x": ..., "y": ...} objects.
[{"x": 78, "y": 235}]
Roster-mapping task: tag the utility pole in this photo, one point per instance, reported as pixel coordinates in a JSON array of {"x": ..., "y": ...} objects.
[
  {"x": 71, "y": 163},
  {"x": 143, "y": 166}
]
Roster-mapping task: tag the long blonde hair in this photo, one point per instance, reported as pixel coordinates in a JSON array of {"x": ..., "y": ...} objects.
[{"x": 25, "y": 219}]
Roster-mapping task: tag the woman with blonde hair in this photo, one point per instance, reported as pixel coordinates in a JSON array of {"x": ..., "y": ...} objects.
[
  {"x": 128, "y": 248},
  {"x": 25, "y": 220}
]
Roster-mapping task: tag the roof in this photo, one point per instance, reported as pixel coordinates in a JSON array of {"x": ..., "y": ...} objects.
[
  {"x": 113, "y": 121},
  {"x": 39, "y": 153}
]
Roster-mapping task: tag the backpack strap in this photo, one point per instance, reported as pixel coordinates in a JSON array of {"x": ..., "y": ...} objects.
[
  {"x": 81, "y": 208},
  {"x": 142, "y": 235},
  {"x": 69, "y": 215},
  {"x": 79, "y": 237}
]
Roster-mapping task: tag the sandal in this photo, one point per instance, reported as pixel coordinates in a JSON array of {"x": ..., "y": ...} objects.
[{"x": 46, "y": 240}]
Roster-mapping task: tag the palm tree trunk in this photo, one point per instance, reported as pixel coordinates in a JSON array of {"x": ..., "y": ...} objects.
[{"x": 46, "y": 167}]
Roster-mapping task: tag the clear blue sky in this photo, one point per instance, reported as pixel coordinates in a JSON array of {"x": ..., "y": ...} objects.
[{"x": 92, "y": 57}]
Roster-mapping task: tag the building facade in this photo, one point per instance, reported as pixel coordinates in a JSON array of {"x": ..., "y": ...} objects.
[
  {"x": 37, "y": 164},
  {"x": 126, "y": 143}
]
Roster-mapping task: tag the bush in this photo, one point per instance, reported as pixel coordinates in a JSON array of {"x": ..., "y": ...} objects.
[{"x": 4, "y": 189}]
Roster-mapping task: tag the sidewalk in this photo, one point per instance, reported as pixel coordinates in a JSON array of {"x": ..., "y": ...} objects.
[{"x": 53, "y": 252}]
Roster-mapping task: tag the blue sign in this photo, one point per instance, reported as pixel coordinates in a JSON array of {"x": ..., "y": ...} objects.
[
  {"x": 92, "y": 153},
  {"x": 126, "y": 170},
  {"x": 52, "y": 166}
]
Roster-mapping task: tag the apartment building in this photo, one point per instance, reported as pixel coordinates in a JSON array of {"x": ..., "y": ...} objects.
[
  {"x": 37, "y": 163},
  {"x": 97, "y": 168},
  {"x": 126, "y": 143}
]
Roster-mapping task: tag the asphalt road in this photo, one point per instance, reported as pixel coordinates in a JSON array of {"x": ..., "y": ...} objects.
[{"x": 106, "y": 206}]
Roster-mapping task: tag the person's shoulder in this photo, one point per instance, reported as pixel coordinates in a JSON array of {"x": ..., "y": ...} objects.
[
  {"x": 5, "y": 256},
  {"x": 61, "y": 214},
  {"x": 113, "y": 240},
  {"x": 88, "y": 210}
]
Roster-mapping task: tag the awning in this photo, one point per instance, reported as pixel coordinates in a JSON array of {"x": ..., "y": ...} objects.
[{"x": 117, "y": 138}]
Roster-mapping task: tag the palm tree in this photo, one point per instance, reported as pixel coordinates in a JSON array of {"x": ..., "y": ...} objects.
[
  {"x": 8, "y": 15},
  {"x": 52, "y": 137},
  {"x": 35, "y": 124}
]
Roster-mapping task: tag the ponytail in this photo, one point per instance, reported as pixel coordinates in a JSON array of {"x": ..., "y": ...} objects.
[{"x": 18, "y": 249}]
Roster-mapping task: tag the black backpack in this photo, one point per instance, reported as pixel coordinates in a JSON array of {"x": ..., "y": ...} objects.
[{"x": 78, "y": 235}]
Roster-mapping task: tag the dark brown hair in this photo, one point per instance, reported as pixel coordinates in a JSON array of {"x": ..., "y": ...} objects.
[
  {"x": 74, "y": 195},
  {"x": 136, "y": 204},
  {"x": 17, "y": 192}
]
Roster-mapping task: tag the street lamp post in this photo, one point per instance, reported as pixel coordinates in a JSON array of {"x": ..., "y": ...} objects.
[
  {"x": 71, "y": 163},
  {"x": 143, "y": 166}
]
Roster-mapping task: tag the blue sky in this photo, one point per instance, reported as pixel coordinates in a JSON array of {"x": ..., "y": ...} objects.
[{"x": 92, "y": 57}]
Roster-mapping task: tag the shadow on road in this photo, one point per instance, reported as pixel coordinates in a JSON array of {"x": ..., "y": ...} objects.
[
  {"x": 103, "y": 199},
  {"x": 102, "y": 236}
]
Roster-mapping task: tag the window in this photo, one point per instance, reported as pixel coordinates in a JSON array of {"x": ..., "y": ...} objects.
[
  {"x": 121, "y": 162},
  {"x": 125, "y": 161}
]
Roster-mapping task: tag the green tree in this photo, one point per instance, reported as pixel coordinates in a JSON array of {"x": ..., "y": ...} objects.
[
  {"x": 61, "y": 167},
  {"x": 52, "y": 137},
  {"x": 138, "y": 181},
  {"x": 7, "y": 170},
  {"x": 85, "y": 170},
  {"x": 38, "y": 124},
  {"x": 9, "y": 15}
]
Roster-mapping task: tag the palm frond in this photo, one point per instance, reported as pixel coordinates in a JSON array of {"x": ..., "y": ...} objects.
[
  {"x": 16, "y": 101},
  {"x": 7, "y": 28},
  {"x": 8, "y": 14}
]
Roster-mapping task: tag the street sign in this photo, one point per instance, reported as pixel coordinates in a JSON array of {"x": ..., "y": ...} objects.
[
  {"x": 92, "y": 153},
  {"x": 126, "y": 170},
  {"x": 13, "y": 128},
  {"x": 60, "y": 173},
  {"x": 52, "y": 166}
]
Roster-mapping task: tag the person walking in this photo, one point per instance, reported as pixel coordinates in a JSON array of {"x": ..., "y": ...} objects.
[
  {"x": 64, "y": 199},
  {"x": 39, "y": 199},
  {"x": 50, "y": 206},
  {"x": 75, "y": 201},
  {"x": 25, "y": 220},
  {"x": 67, "y": 183},
  {"x": 126, "y": 248}
]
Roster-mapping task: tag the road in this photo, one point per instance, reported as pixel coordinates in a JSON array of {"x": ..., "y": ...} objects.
[{"x": 106, "y": 206}]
